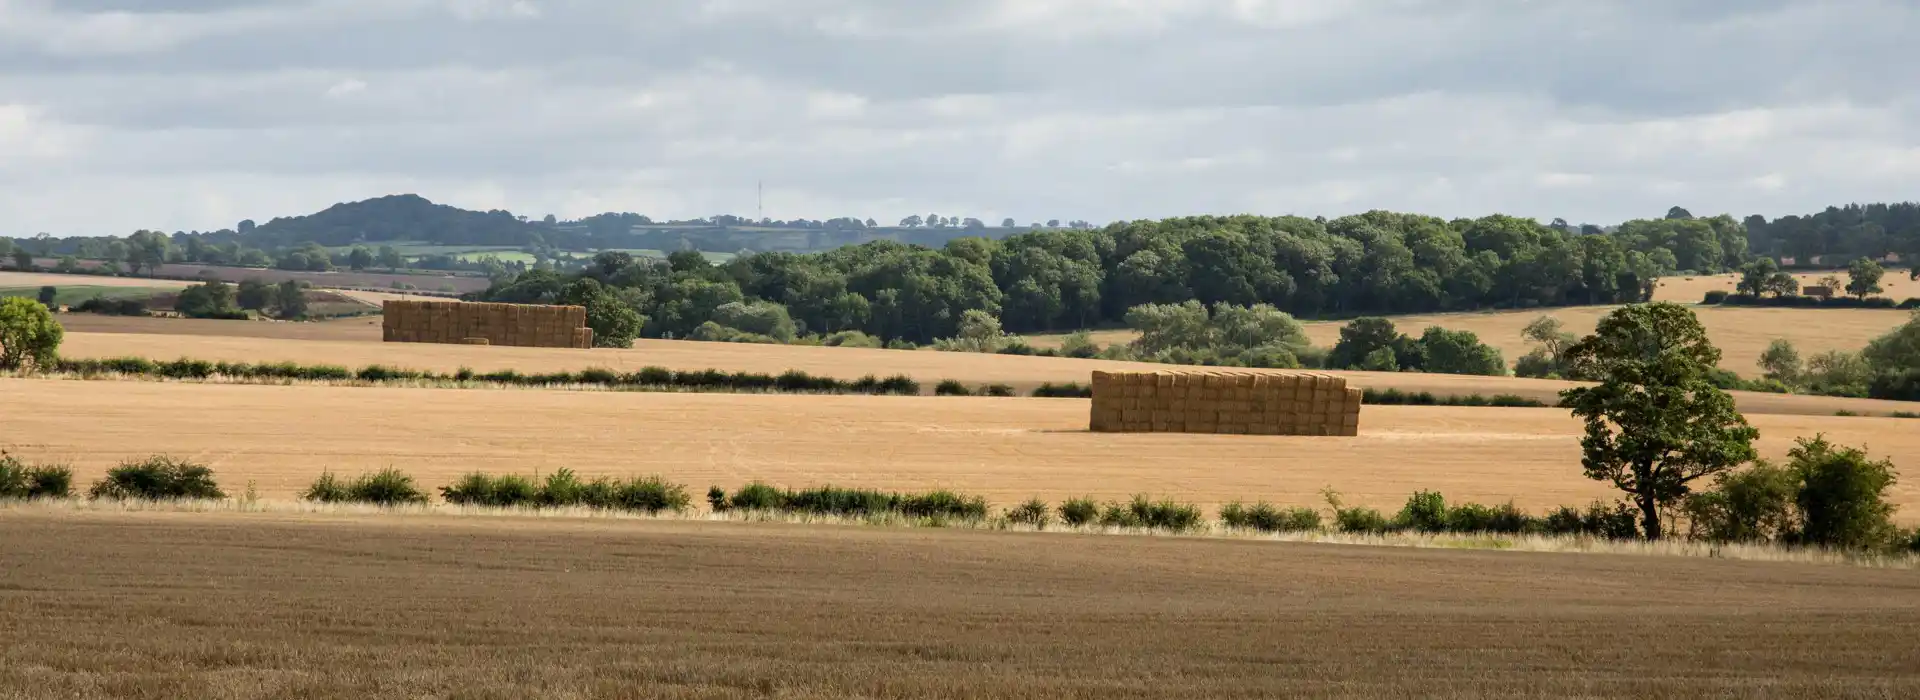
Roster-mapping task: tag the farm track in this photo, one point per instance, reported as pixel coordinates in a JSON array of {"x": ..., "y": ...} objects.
[
  {"x": 282, "y": 437},
  {"x": 240, "y": 606}
]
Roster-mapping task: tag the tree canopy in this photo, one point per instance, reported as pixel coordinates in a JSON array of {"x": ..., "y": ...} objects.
[{"x": 1655, "y": 423}]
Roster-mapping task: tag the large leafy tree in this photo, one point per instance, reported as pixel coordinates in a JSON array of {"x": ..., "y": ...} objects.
[
  {"x": 1864, "y": 278},
  {"x": 1654, "y": 424},
  {"x": 29, "y": 336}
]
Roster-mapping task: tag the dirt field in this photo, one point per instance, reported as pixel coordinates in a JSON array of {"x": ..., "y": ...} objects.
[
  {"x": 1005, "y": 449},
  {"x": 295, "y": 344},
  {"x": 229, "y": 606}
]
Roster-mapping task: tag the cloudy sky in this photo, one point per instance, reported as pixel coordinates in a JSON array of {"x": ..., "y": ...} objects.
[{"x": 194, "y": 114}]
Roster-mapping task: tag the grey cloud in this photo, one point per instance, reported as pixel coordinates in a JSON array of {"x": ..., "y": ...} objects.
[{"x": 1032, "y": 108}]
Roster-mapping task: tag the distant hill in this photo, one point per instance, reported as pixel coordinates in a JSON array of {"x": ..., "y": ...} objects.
[
  {"x": 402, "y": 217},
  {"x": 414, "y": 219}
]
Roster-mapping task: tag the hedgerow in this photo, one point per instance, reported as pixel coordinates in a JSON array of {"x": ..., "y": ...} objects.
[
  {"x": 657, "y": 378},
  {"x": 21, "y": 480},
  {"x": 387, "y": 487},
  {"x": 838, "y": 501},
  {"x": 650, "y": 494}
]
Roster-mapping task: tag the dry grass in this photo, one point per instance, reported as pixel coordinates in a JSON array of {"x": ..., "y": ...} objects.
[
  {"x": 224, "y": 606},
  {"x": 1022, "y": 373},
  {"x": 1004, "y": 449}
]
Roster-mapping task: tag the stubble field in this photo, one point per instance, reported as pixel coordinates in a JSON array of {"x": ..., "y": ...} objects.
[
  {"x": 245, "y": 606},
  {"x": 1741, "y": 333},
  {"x": 282, "y": 437}
]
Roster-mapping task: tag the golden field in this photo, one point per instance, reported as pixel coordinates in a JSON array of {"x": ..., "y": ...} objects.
[
  {"x": 1741, "y": 333},
  {"x": 282, "y": 437},
  {"x": 308, "y": 343}
]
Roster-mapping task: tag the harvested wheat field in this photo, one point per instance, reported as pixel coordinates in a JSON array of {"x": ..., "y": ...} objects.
[
  {"x": 929, "y": 367},
  {"x": 44, "y": 279},
  {"x": 282, "y": 437},
  {"x": 1897, "y": 285},
  {"x": 364, "y": 328},
  {"x": 246, "y": 606},
  {"x": 1741, "y": 332}
]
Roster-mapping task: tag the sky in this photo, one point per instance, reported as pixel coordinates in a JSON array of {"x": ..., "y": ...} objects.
[{"x": 117, "y": 115}]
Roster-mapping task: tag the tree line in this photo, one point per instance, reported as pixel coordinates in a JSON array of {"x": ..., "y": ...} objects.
[{"x": 1374, "y": 263}]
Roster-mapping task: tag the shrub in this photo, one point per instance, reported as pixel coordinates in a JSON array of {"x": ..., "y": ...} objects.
[
  {"x": 1360, "y": 520},
  {"x": 1754, "y": 505},
  {"x": 650, "y": 495},
  {"x": 1425, "y": 511},
  {"x": 832, "y": 500},
  {"x": 20, "y": 480},
  {"x": 1142, "y": 512},
  {"x": 1502, "y": 519},
  {"x": 1069, "y": 390},
  {"x": 1842, "y": 498},
  {"x": 951, "y": 387},
  {"x": 113, "y": 307},
  {"x": 1264, "y": 517},
  {"x": 1000, "y": 390},
  {"x": 1911, "y": 303},
  {"x": 1034, "y": 512},
  {"x": 717, "y": 499},
  {"x": 1079, "y": 511},
  {"x": 157, "y": 478},
  {"x": 1716, "y": 296},
  {"x": 387, "y": 487},
  {"x": 757, "y": 496},
  {"x": 1617, "y": 521},
  {"x": 478, "y": 489}
]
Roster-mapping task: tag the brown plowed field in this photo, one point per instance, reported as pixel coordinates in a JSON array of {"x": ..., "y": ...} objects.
[
  {"x": 1023, "y": 373},
  {"x": 1005, "y": 449},
  {"x": 251, "y": 606}
]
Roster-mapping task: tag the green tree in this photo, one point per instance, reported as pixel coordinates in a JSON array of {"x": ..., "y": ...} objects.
[
  {"x": 1167, "y": 326},
  {"x": 1755, "y": 275},
  {"x": 615, "y": 323},
  {"x": 390, "y": 258},
  {"x": 1898, "y": 350},
  {"x": 1361, "y": 337},
  {"x": 254, "y": 295},
  {"x": 758, "y": 317},
  {"x": 360, "y": 258},
  {"x": 1781, "y": 362},
  {"x": 979, "y": 332},
  {"x": 210, "y": 299},
  {"x": 1459, "y": 352},
  {"x": 22, "y": 260},
  {"x": 1843, "y": 497},
  {"x": 1864, "y": 278},
  {"x": 290, "y": 300},
  {"x": 48, "y": 294},
  {"x": 147, "y": 250},
  {"x": 1655, "y": 423},
  {"x": 29, "y": 336}
]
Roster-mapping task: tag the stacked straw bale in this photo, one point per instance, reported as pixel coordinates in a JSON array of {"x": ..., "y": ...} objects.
[
  {"x": 1226, "y": 402},
  {"x": 456, "y": 322}
]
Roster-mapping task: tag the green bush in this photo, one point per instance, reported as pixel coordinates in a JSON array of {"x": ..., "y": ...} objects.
[
  {"x": 951, "y": 387},
  {"x": 717, "y": 499},
  {"x": 1425, "y": 511},
  {"x": 562, "y": 489},
  {"x": 1617, "y": 521},
  {"x": 29, "y": 336},
  {"x": 849, "y": 502},
  {"x": 1842, "y": 498},
  {"x": 387, "y": 487},
  {"x": 21, "y": 480},
  {"x": 1361, "y": 521},
  {"x": 1000, "y": 390},
  {"x": 1034, "y": 512},
  {"x": 1069, "y": 390},
  {"x": 479, "y": 489},
  {"x": 157, "y": 478},
  {"x": 1754, "y": 505},
  {"x": 1264, "y": 517},
  {"x": 1079, "y": 511},
  {"x": 1142, "y": 512}
]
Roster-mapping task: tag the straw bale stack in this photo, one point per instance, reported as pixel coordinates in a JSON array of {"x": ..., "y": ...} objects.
[
  {"x": 517, "y": 325},
  {"x": 1225, "y": 401}
]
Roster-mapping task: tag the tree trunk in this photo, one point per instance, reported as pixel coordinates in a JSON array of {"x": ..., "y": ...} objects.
[{"x": 1650, "y": 517}]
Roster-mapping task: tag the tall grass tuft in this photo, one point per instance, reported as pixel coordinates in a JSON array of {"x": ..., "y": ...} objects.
[
  {"x": 158, "y": 478},
  {"x": 1079, "y": 511},
  {"x": 1033, "y": 512},
  {"x": 1142, "y": 512}
]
